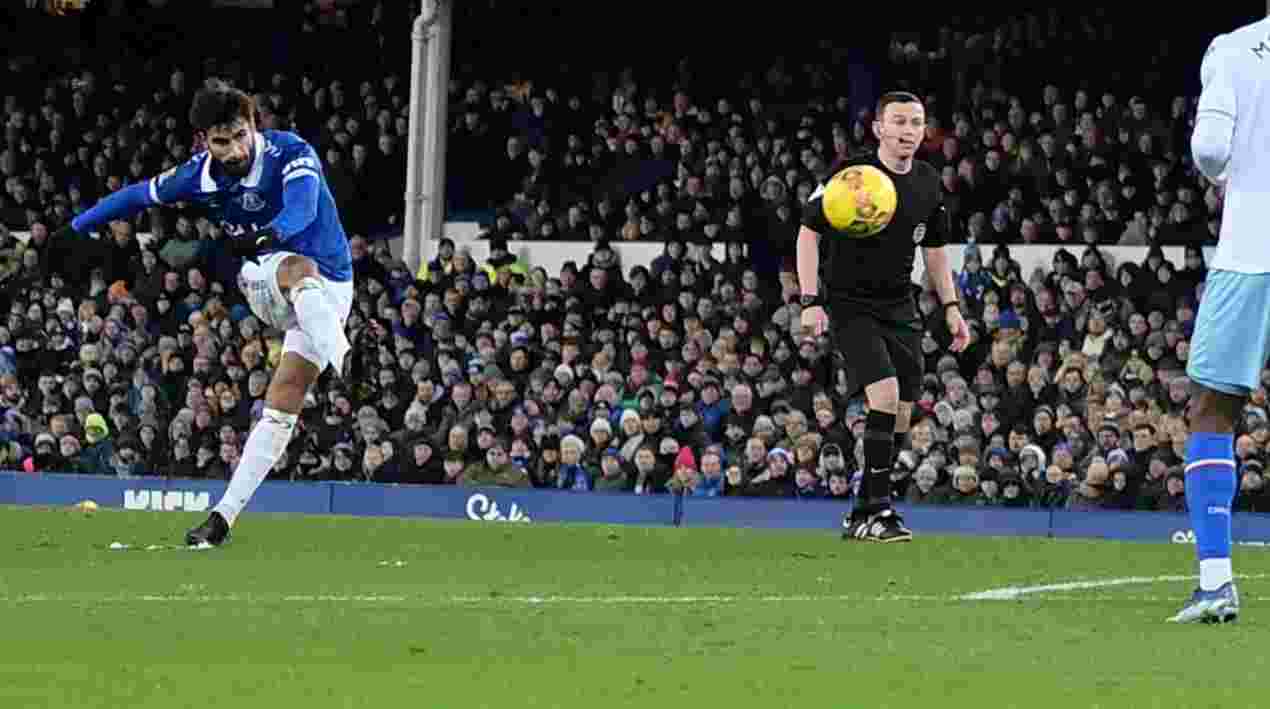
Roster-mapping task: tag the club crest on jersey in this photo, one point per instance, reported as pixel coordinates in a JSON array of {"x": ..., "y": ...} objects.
[
  {"x": 252, "y": 202},
  {"x": 919, "y": 233}
]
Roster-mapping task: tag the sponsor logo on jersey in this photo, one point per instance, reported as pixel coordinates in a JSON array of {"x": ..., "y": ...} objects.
[
  {"x": 252, "y": 202},
  {"x": 919, "y": 233},
  {"x": 299, "y": 163},
  {"x": 481, "y": 507}
]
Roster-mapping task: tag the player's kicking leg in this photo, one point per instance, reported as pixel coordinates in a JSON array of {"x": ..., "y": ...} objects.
[
  {"x": 1225, "y": 364},
  {"x": 316, "y": 341}
]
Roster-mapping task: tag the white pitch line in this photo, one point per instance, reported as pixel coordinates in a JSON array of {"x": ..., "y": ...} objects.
[
  {"x": 1007, "y": 593},
  {"x": 456, "y": 600},
  {"x": 1010, "y": 593},
  {"x": 659, "y": 600}
]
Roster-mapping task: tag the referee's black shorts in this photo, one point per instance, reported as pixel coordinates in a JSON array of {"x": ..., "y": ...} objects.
[{"x": 874, "y": 348}]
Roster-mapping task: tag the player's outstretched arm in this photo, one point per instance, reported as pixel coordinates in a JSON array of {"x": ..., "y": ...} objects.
[{"x": 123, "y": 204}]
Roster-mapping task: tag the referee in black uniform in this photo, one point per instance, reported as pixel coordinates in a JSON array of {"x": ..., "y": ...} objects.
[{"x": 867, "y": 301}]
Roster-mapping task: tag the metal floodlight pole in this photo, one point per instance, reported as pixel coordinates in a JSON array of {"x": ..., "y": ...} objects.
[{"x": 429, "y": 97}]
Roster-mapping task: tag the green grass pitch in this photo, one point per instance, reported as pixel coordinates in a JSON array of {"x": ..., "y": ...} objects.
[{"x": 313, "y": 612}]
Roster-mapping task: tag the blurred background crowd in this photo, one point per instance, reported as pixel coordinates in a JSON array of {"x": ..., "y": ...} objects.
[{"x": 134, "y": 354}]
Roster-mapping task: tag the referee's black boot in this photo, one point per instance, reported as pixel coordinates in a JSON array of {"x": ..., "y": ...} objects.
[{"x": 885, "y": 527}]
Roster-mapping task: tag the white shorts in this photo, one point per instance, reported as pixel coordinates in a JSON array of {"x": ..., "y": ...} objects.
[{"x": 259, "y": 284}]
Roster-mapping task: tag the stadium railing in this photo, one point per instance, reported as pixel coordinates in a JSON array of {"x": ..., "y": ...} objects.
[{"x": 552, "y": 255}]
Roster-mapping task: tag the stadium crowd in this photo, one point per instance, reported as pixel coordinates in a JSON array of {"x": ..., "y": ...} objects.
[
  {"x": 122, "y": 356},
  {"x": 630, "y": 162}
]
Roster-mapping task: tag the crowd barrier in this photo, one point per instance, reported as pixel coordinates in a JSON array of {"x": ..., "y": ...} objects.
[
  {"x": 552, "y": 255},
  {"x": 526, "y": 506}
]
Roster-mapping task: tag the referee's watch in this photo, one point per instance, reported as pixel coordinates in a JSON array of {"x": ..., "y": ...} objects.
[
  {"x": 809, "y": 301},
  {"x": 952, "y": 304}
]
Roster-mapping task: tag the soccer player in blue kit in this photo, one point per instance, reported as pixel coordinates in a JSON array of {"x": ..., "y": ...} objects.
[{"x": 267, "y": 192}]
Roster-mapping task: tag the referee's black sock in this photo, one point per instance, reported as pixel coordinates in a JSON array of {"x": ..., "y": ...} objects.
[
  {"x": 875, "y": 484},
  {"x": 897, "y": 447}
]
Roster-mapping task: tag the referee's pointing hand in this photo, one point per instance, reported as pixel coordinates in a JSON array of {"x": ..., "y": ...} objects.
[{"x": 815, "y": 321}]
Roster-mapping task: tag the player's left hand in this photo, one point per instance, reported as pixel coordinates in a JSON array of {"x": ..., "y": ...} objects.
[
  {"x": 249, "y": 246},
  {"x": 958, "y": 329}
]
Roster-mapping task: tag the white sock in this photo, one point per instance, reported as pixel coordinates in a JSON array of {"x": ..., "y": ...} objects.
[
  {"x": 268, "y": 438},
  {"x": 1214, "y": 573},
  {"x": 319, "y": 319}
]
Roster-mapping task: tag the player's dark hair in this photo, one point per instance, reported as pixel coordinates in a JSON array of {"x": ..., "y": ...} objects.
[
  {"x": 891, "y": 97},
  {"x": 220, "y": 104}
]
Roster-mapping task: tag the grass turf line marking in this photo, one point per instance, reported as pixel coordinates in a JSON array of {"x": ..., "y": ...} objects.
[
  {"x": 1006, "y": 593},
  {"x": 476, "y": 601},
  {"x": 1010, "y": 593}
]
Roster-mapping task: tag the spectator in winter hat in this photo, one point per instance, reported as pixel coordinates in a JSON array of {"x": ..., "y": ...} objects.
[
  {"x": 612, "y": 476},
  {"x": 564, "y": 375},
  {"x": 45, "y": 457},
  {"x": 574, "y": 473},
  {"x": 776, "y": 479},
  {"x": 95, "y": 458},
  {"x": 1032, "y": 462},
  {"x": 685, "y": 474},
  {"x": 831, "y": 461}
]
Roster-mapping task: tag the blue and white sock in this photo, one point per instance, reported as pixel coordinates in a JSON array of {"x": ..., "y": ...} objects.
[{"x": 1210, "y": 490}]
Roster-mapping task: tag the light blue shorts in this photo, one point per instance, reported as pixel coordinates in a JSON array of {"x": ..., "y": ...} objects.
[{"x": 1232, "y": 332}]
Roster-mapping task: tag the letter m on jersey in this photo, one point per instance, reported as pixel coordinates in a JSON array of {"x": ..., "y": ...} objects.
[{"x": 1260, "y": 50}]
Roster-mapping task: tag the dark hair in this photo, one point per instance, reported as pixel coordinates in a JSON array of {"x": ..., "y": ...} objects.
[
  {"x": 891, "y": 97},
  {"x": 220, "y": 104}
]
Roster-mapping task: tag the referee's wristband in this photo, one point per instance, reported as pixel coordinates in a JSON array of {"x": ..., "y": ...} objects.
[{"x": 952, "y": 304}]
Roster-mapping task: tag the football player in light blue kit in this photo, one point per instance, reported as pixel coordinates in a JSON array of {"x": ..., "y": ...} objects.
[
  {"x": 1231, "y": 145},
  {"x": 267, "y": 192}
]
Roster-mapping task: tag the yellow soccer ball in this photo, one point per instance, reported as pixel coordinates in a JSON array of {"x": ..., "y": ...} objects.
[{"x": 859, "y": 201}]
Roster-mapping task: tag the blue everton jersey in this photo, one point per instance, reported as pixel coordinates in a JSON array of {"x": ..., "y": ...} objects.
[{"x": 255, "y": 201}]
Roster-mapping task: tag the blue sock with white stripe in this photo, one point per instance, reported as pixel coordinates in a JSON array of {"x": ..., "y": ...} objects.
[{"x": 1210, "y": 490}]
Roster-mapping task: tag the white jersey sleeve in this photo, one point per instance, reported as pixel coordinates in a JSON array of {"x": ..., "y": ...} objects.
[
  {"x": 1232, "y": 139},
  {"x": 1215, "y": 117}
]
